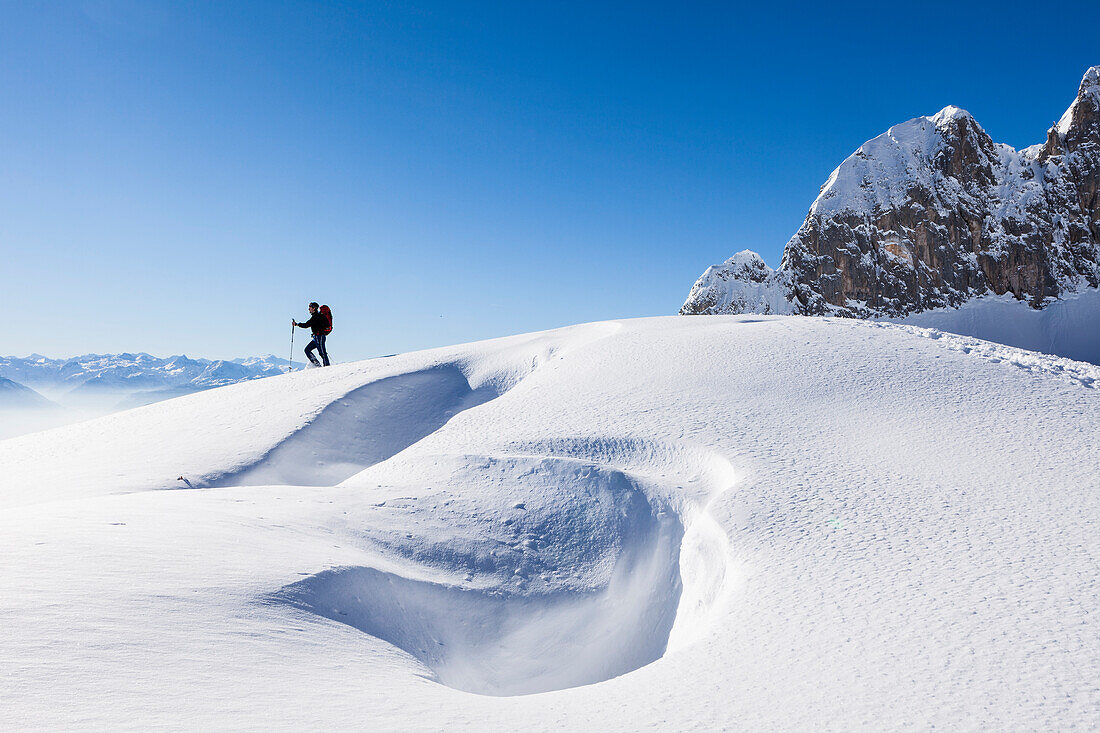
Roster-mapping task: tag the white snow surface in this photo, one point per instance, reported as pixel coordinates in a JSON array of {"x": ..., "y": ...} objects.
[
  {"x": 1067, "y": 326},
  {"x": 712, "y": 523}
]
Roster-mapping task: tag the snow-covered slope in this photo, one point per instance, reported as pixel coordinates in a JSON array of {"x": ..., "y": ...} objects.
[
  {"x": 1069, "y": 326},
  {"x": 931, "y": 214},
  {"x": 741, "y": 522}
]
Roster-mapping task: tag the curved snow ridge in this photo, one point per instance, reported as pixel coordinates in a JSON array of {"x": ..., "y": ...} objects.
[
  {"x": 1076, "y": 372},
  {"x": 519, "y": 356},
  {"x": 693, "y": 479},
  {"x": 680, "y": 469},
  {"x": 383, "y": 417},
  {"x": 209, "y": 436},
  {"x": 364, "y": 427},
  {"x": 516, "y": 574}
]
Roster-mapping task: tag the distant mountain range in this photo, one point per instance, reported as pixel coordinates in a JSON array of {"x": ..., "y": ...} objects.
[
  {"x": 13, "y": 394},
  {"x": 120, "y": 380}
]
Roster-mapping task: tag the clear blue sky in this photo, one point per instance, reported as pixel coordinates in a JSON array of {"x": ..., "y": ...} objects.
[{"x": 184, "y": 177}]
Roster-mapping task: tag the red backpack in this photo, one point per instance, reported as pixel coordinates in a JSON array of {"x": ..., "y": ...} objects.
[{"x": 327, "y": 313}]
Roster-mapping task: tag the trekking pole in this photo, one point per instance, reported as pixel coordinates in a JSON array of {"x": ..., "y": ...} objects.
[{"x": 290, "y": 367}]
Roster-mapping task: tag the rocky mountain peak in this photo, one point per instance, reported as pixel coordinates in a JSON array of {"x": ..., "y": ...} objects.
[
  {"x": 1080, "y": 125},
  {"x": 931, "y": 213},
  {"x": 952, "y": 115}
]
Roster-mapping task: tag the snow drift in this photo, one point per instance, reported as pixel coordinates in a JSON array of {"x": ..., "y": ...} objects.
[
  {"x": 587, "y": 588},
  {"x": 765, "y": 522}
]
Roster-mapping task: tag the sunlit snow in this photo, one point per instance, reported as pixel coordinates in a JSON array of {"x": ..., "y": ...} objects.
[{"x": 727, "y": 522}]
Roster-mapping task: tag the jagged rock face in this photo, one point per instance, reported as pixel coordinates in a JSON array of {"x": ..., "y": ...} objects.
[
  {"x": 1073, "y": 147},
  {"x": 932, "y": 213}
]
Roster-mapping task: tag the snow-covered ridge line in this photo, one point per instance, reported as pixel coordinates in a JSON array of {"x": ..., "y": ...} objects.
[{"x": 931, "y": 214}]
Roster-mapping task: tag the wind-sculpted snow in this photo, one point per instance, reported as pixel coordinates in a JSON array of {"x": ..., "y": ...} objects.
[
  {"x": 573, "y": 582},
  {"x": 270, "y": 424},
  {"x": 1069, "y": 327},
  {"x": 365, "y": 426},
  {"x": 765, "y": 523},
  {"x": 554, "y": 568}
]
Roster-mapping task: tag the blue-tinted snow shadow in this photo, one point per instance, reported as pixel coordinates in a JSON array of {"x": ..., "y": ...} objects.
[
  {"x": 364, "y": 427},
  {"x": 502, "y": 641}
]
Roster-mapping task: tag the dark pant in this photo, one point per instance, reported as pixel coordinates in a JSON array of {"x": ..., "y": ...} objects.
[{"x": 318, "y": 343}]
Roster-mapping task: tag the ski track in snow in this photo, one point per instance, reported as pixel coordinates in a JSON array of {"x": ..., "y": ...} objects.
[{"x": 691, "y": 524}]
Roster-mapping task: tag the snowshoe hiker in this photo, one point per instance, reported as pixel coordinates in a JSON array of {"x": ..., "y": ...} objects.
[{"x": 320, "y": 322}]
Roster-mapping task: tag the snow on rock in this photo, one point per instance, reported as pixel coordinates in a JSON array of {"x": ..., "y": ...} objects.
[
  {"x": 741, "y": 284},
  {"x": 1088, "y": 100},
  {"x": 757, "y": 523},
  {"x": 931, "y": 214}
]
